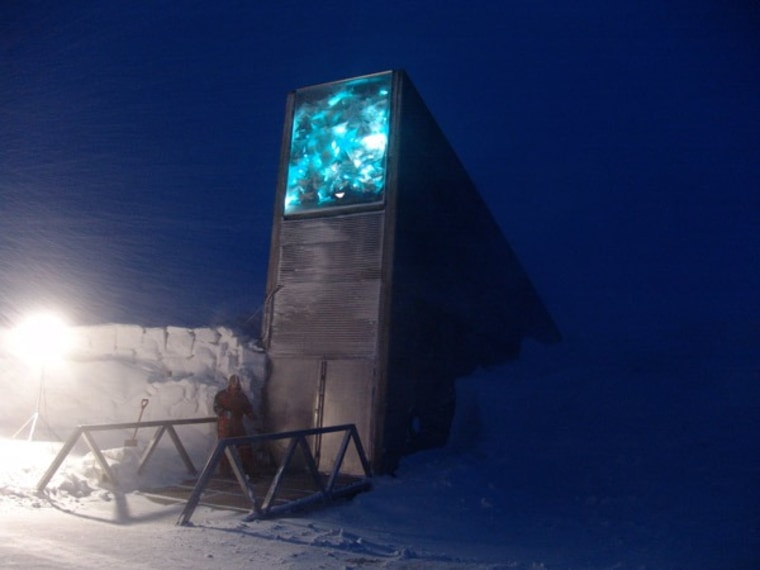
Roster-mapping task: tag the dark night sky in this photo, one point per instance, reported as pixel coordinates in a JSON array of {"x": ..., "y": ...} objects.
[{"x": 616, "y": 143}]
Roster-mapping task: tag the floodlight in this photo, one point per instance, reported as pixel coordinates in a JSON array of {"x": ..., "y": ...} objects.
[{"x": 41, "y": 340}]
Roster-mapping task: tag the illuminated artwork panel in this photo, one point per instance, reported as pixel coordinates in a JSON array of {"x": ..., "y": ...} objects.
[{"x": 338, "y": 145}]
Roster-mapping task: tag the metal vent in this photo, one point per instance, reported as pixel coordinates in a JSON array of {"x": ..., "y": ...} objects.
[{"x": 329, "y": 286}]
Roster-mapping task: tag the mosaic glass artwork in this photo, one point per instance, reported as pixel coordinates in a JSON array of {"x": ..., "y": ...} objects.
[{"x": 339, "y": 144}]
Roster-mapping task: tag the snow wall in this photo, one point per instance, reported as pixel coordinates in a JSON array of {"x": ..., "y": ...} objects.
[{"x": 111, "y": 368}]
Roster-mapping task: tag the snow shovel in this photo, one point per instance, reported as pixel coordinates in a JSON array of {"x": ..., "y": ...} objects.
[{"x": 132, "y": 442}]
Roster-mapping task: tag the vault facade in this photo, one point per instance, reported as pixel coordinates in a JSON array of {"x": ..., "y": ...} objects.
[{"x": 388, "y": 277}]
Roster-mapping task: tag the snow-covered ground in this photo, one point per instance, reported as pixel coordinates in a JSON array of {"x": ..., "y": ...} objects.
[{"x": 639, "y": 452}]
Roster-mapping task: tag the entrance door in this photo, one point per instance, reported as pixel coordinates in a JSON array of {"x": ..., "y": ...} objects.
[
  {"x": 348, "y": 398},
  {"x": 303, "y": 393}
]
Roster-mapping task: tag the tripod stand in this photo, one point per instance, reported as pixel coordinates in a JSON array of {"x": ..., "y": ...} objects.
[{"x": 37, "y": 417}]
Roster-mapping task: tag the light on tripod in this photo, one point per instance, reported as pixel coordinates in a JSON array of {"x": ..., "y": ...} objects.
[{"x": 41, "y": 340}]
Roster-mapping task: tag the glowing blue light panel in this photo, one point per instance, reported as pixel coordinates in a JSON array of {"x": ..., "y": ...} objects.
[{"x": 338, "y": 144}]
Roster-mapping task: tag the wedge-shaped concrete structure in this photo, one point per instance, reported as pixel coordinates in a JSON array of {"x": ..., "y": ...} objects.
[{"x": 388, "y": 276}]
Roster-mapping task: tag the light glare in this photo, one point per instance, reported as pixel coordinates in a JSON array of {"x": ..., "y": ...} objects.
[{"x": 41, "y": 339}]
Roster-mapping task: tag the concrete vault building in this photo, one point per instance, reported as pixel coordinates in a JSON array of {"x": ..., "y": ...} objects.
[{"x": 388, "y": 277}]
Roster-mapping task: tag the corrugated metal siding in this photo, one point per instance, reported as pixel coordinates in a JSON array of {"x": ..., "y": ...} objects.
[{"x": 329, "y": 286}]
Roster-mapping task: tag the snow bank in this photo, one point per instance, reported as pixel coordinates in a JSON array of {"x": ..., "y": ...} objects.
[{"x": 109, "y": 370}]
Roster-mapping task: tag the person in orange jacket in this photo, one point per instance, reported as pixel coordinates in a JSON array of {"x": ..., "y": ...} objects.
[{"x": 230, "y": 405}]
